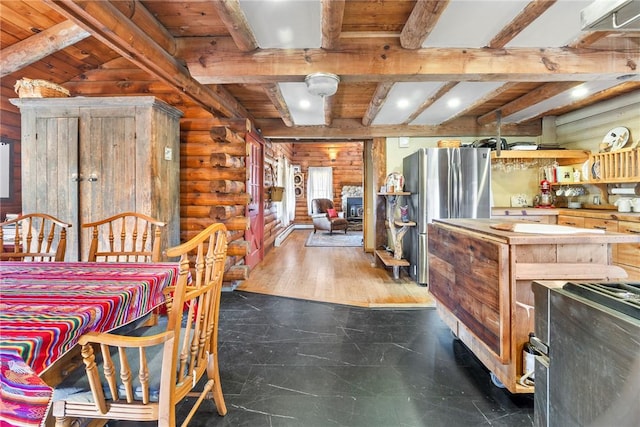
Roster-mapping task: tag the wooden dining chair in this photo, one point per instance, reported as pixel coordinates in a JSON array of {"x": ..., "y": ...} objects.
[
  {"x": 126, "y": 237},
  {"x": 143, "y": 376},
  {"x": 33, "y": 237}
]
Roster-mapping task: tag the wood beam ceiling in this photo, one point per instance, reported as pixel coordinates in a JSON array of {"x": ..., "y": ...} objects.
[
  {"x": 352, "y": 128},
  {"x": 108, "y": 24},
  {"x": 38, "y": 46},
  {"x": 215, "y": 61}
]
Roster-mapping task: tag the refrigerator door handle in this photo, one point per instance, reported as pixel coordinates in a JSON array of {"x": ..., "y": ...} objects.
[
  {"x": 450, "y": 186},
  {"x": 455, "y": 168}
]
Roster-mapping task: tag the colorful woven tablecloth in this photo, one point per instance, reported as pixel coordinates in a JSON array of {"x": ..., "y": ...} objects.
[{"x": 46, "y": 307}]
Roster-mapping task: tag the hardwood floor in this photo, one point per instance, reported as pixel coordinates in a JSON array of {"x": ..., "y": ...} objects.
[{"x": 335, "y": 275}]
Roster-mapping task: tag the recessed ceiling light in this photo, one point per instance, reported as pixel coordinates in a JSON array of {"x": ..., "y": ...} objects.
[
  {"x": 402, "y": 103},
  {"x": 453, "y": 102},
  {"x": 579, "y": 92},
  {"x": 305, "y": 103}
]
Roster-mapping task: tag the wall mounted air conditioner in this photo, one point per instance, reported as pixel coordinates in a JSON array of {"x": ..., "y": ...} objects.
[{"x": 611, "y": 15}]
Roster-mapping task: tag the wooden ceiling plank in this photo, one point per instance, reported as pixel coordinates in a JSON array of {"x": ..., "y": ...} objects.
[
  {"x": 332, "y": 16},
  {"x": 107, "y": 24},
  {"x": 540, "y": 94},
  {"x": 36, "y": 47},
  {"x": 376, "y": 102},
  {"x": 236, "y": 23},
  {"x": 529, "y": 14},
  {"x": 423, "y": 19},
  {"x": 275, "y": 96},
  {"x": 213, "y": 61}
]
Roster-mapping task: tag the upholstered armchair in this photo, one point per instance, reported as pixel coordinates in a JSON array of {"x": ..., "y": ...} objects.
[{"x": 325, "y": 216}]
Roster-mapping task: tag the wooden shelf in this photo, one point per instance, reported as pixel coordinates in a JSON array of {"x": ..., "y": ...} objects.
[
  {"x": 565, "y": 157},
  {"x": 621, "y": 166},
  {"x": 388, "y": 259}
]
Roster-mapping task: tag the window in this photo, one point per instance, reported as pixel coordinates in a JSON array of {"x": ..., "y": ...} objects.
[{"x": 319, "y": 184}]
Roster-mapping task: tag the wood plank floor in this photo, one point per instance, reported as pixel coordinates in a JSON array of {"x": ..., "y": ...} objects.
[{"x": 336, "y": 275}]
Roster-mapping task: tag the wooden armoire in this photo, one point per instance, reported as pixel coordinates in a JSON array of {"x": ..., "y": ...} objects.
[{"x": 84, "y": 159}]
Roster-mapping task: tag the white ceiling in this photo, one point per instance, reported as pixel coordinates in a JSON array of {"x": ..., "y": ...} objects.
[{"x": 465, "y": 23}]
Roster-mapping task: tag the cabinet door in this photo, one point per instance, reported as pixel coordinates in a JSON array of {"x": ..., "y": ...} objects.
[
  {"x": 50, "y": 173},
  {"x": 628, "y": 254},
  {"x": 107, "y": 163}
]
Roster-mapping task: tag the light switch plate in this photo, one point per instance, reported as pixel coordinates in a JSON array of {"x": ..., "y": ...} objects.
[{"x": 168, "y": 153}]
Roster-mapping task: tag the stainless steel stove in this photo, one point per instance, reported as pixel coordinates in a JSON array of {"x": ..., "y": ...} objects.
[
  {"x": 621, "y": 297},
  {"x": 590, "y": 374}
]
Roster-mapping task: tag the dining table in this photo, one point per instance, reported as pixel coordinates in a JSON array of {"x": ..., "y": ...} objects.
[{"x": 45, "y": 307}]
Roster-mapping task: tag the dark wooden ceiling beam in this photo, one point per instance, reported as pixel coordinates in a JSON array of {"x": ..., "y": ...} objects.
[
  {"x": 588, "y": 38},
  {"x": 40, "y": 45},
  {"x": 111, "y": 27},
  {"x": 236, "y": 23},
  {"x": 429, "y": 101},
  {"x": 332, "y": 16},
  {"x": 529, "y": 14},
  {"x": 353, "y": 128},
  {"x": 603, "y": 95},
  {"x": 328, "y": 102},
  {"x": 482, "y": 100},
  {"x": 275, "y": 96},
  {"x": 378, "y": 99},
  {"x": 423, "y": 19},
  {"x": 540, "y": 94},
  {"x": 215, "y": 61}
]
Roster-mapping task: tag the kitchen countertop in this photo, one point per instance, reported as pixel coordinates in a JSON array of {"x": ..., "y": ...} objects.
[
  {"x": 483, "y": 226},
  {"x": 592, "y": 213},
  {"x": 602, "y": 214}
]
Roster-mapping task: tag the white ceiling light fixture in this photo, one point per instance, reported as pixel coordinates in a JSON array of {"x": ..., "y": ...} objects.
[{"x": 322, "y": 84}]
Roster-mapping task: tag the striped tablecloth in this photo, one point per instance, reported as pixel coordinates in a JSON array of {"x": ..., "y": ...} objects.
[{"x": 46, "y": 307}]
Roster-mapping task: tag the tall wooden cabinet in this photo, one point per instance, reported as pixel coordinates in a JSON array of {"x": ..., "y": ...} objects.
[{"x": 88, "y": 158}]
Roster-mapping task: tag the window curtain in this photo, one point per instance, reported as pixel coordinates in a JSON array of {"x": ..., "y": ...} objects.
[
  {"x": 319, "y": 184},
  {"x": 285, "y": 210},
  {"x": 290, "y": 194}
]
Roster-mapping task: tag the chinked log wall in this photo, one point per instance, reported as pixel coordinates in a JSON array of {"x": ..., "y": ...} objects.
[
  {"x": 348, "y": 169},
  {"x": 212, "y": 184},
  {"x": 273, "y": 153}
]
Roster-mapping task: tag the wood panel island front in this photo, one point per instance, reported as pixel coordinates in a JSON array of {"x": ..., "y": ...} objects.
[{"x": 481, "y": 278}]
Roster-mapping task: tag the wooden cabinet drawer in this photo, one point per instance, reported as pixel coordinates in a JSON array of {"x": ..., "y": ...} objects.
[
  {"x": 628, "y": 253},
  {"x": 573, "y": 221},
  {"x": 601, "y": 224}
]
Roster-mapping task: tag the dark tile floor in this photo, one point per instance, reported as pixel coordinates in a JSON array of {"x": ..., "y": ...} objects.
[{"x": 287, "y": 362}]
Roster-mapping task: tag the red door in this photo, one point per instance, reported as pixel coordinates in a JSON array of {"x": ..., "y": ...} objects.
[{"x": 255, "y": 209}]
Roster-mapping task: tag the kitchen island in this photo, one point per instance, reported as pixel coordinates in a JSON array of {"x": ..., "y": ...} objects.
[{"x": 481, "y": 280}]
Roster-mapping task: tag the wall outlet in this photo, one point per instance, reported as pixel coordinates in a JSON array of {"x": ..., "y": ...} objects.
[{"x": 168, "y": 153}]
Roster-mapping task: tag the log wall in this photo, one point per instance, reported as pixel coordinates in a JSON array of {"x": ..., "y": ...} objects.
[
  {"x": 345, "y": 157},
  {"x": 212, "y": 184},
  {"x": 273, "y": 153}
]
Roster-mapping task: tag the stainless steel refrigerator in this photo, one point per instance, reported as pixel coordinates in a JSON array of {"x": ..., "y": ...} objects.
[{"x": 444, "y": 183}]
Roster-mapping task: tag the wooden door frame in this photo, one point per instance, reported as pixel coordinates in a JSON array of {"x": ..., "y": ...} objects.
[{"x": 257, "y": 192}]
